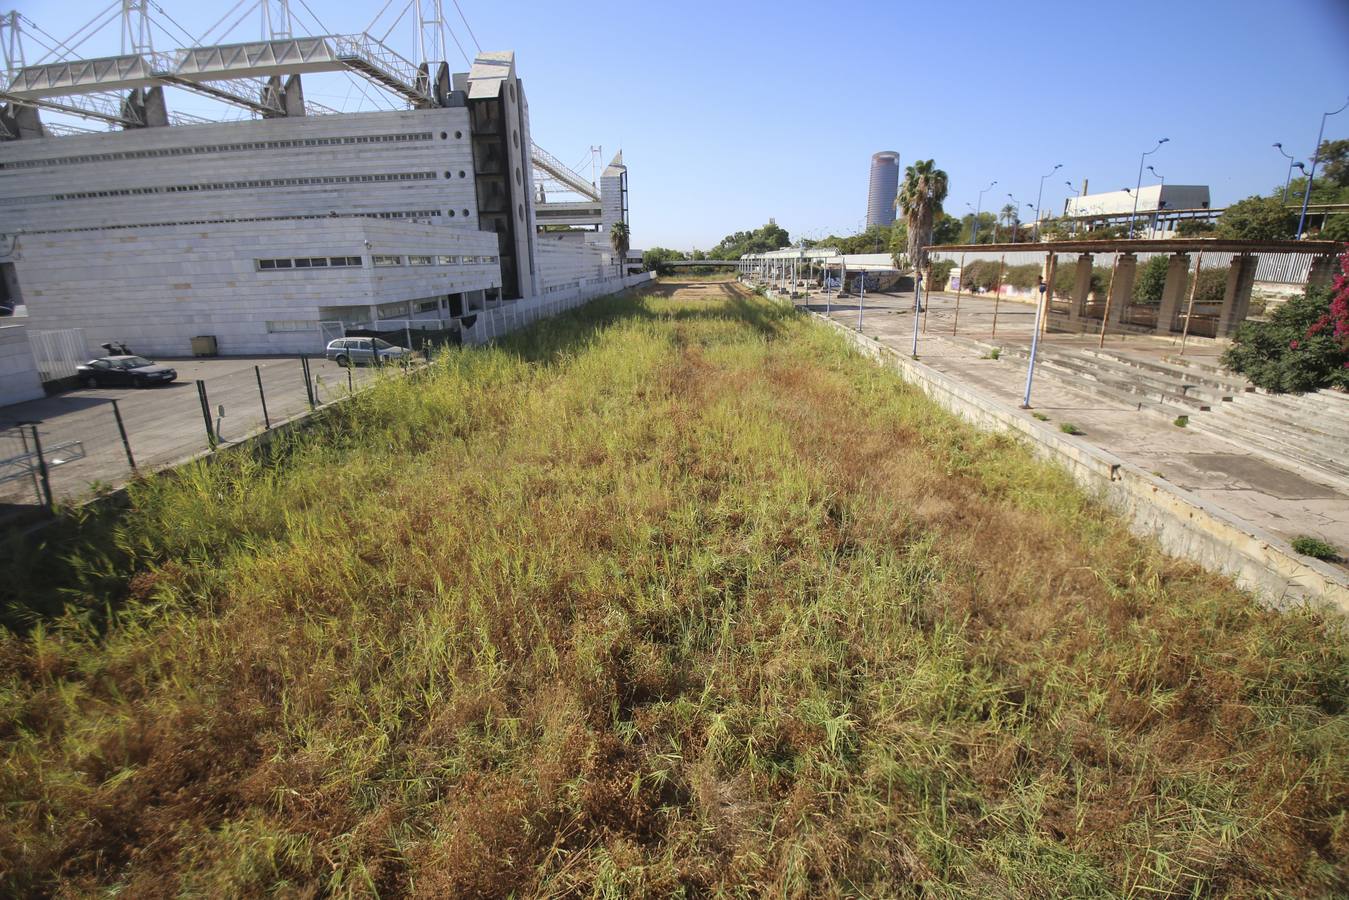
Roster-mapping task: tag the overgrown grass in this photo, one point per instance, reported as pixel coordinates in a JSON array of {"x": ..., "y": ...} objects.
[{"x": 672, "y": 596}]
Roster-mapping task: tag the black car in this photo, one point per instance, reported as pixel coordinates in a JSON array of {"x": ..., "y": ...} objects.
[{"x": 130, "y": 371}]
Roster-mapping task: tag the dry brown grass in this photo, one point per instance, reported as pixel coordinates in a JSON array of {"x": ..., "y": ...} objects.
[{"x": 676, "y": 597}]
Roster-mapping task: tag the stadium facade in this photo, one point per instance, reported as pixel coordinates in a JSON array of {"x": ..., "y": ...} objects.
[{"x": 266, "y": 233}]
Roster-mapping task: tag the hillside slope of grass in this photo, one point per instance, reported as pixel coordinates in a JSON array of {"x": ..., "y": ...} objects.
[{"x": 674, "y": 596}]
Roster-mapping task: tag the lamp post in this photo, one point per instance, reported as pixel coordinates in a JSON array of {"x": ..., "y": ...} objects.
[
  {"x": 1014, "y": 219},
  {"x": 1035, "y": 231},
  {"x": 974, "y": 238},
  {"x": 1133, "y": 216},
  {"x": 1161, "y": 204},
  {"x": 1311, "y": 175},
  {"x": 1289, "y": 178},
  {"x": 1070, "y": 187}
]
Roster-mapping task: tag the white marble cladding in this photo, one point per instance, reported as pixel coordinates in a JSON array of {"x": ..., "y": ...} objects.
[
  {"x": 18, "y": 373},
  {"x": 376, "y": 163},
  {"x": 565, "y": 263},
  {"x": 157, "y": 287}
]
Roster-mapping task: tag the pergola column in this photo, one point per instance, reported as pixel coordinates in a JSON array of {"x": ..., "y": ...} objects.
[
  {"x": 1237, "y": 294},
  {"x": 1122, "y": 288},
  {"x": 1173, "y": 292},
  {"x": 1077, "y": 306},
  {"x": 1321, "y": 272}
]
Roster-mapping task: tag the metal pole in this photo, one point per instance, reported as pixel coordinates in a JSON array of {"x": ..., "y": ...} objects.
[
  {"x": 1034, "y": 346},
  {"x": 44, "y": 477},
  {"x": 1051, "y": 270},
  {"x": 960, "y": 287},
  {"x": 828, "y": 298},
  {"x": 917, "y": 302},
  {"x": 206, "y": 412},
  {"x": 1311, "y": 174},
  {"x": 997, "y": 294},
  {"x": 266, "y": 419},
  {"x": 351, "y": 381},
  {"x": 121, "y": 429},
  {"x": 308, "y": 382},
  {"x": 927, "y": 295},
  {"x": 1189, "y": 311},
  {"x": 1110, "y": 289},
  {"x": 861, "y": 298}
]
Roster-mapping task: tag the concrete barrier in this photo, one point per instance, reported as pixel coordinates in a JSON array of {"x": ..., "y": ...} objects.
[{"x": 1183, "y": 524}]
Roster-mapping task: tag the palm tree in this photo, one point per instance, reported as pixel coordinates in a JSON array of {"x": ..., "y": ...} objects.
[
  {"x": 921, "y": 197},
  {"x": 618, "y": 239},
  {"x": 1008, "y": 214}
]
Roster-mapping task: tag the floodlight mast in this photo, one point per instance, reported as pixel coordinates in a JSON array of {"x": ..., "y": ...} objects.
[
  {"x": 431, "y": 34},
  {"x": 276, "y": 22},
  {"x": 136, "y": 28}
]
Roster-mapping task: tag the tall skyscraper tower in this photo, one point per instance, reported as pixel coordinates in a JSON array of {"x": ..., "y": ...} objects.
[{"x": 882, "y": 188}]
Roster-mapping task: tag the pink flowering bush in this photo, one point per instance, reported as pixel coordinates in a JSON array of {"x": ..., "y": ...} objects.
[{"x": 1304, "y": 346}]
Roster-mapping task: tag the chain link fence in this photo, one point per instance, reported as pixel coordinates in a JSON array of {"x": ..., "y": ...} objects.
[{"x": 93, "y": 441}]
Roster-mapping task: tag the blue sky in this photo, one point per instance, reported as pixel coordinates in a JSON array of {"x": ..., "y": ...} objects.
[{"x": 729, "y": 113}]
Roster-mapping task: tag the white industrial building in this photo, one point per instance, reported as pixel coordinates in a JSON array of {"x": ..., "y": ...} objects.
[{"x": 269, "y": 232}]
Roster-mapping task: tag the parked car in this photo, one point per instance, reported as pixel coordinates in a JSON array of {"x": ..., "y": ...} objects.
[
  {"x": 128, "y": 371},
  {"x": 364, "y": 352}
]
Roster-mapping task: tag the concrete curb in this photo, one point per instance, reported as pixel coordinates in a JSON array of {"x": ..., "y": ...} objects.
[{"x": 1183, "y": 524}]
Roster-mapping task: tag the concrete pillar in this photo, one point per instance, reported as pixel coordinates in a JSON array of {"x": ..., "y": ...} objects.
[
  {"x": 1321, "y": 272},
  {"x": 1077, "y": 306},
  {"x": 1237, "y": 294},
  {"x": 1122, "y": 288},
  {"x": 1173, "y": 292}
]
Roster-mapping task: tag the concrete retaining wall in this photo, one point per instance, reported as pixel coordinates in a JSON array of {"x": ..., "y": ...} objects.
[{"x": 1183, "y": 524}]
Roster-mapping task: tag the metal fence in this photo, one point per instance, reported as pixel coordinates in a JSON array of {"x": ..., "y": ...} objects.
[
  {"x": 80, "y": 444},
  {"x": 57, "y": 353}
]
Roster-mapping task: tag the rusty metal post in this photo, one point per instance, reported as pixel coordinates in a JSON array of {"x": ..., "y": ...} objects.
[
  {"x": 960, "y": 286},
  {"x": 927, "y": 294},
  {"x": 997, "y": 294},
  {"x": 1110, "y": 288},
  {"x": 1047, "y": 295},
  {"x": 1189, "y": 311}
]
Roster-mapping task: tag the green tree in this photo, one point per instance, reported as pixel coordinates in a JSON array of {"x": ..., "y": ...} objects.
[
  {"x": 1194, "y": 228},
  {"x": 1337, "y": 228},
  {"x": 921, "y": 196},
  {"x": 946, "y": 230},
  {"x": 1150, "y": 281},
  {"x": 618, "y": 239},
  {"x": 1333, "y": 158},
  {"x": 1257, "y": 219},
  {"x": 988, "y": 226},
  {"x": 658, "y": 260},
  {"x": 762, "y": 240}
]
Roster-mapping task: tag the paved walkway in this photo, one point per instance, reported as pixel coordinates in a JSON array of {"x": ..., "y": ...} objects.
[{"x": 1286, "y": 500}]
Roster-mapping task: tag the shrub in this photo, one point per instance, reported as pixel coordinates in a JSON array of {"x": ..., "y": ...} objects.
[
  {"x": 1070, "y": 428},
  {"x": 1297, "y": 349},
  {"x": 941, "y": 274},
  {"x": 1181, "y": 421},
  {"x": 1314, "y": 547}
]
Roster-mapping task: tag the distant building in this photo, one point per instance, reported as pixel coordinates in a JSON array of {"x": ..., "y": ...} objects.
[
  {"x": 1151, "y": 198},
  {"x": 882, "y": 188}
]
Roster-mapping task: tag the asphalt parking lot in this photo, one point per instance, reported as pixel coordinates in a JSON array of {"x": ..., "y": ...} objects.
[{"x": 164, "y": 424}]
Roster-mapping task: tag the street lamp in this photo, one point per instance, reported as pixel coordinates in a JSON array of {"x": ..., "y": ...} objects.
[
  {"x": 1139, "y": 184},
  {"x": 1311, "y": 175},
  {"x": 974, "y": 238},
  {"x": 1291, "y": 163},
  {"x": 1035, "y": 232},
  {"x": 1161, "y": 204}
]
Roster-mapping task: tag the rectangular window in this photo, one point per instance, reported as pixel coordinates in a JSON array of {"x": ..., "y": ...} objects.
[
  {"x": 265, "y": 264},
  {"x": 428, "y": 306},
  {"x": 421, "y": 260},
  {"x": 448, "y": 260},
  {"x": 388, "y": 260},
  {"x": 291, "y": 325}
]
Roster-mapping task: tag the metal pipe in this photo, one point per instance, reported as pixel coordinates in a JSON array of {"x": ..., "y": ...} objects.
[
  {"x": 121, "y": 430},
  {"x": 1138, "y": 186},
  {"x": 1109, "y": 291},
  {"x": 960, "y": 287},
  {"x": 1034, "y": 346},
  {"x": 1035, "y": 236},
  {"x": 1189, "y": 311},
  {"x": 917, "y": 305}
]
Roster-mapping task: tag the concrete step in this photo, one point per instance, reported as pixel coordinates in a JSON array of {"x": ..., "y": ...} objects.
[
  {"x": 1296, "y": 418},
  {"x": 1275, "y": 448},
  {"x": 1327, "y": 445},
  {"x": 1225, "y": 385},
  {"x": 1113, "y": 387},
  {"x": 1162, "y": 390}
]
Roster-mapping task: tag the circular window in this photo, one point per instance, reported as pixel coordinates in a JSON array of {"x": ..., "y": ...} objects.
[
  {"x": 461, "y": 173},
  {"x": 443, "y": 135},
  {"x": 451, "y": 214},
  {"x": 515, "y": 138},
  {"x": 448, "y": 175},
  {"x": 466, "y": 214},
  {"x": 457, "y": 135},
  {"x": 518, "y": 179},
  {"x": 520, "y": 211},
  {"x": 512, "y": 88}
]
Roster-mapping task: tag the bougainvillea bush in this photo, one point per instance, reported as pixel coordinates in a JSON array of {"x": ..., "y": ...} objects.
[{"x": 1304, "y": 346}]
